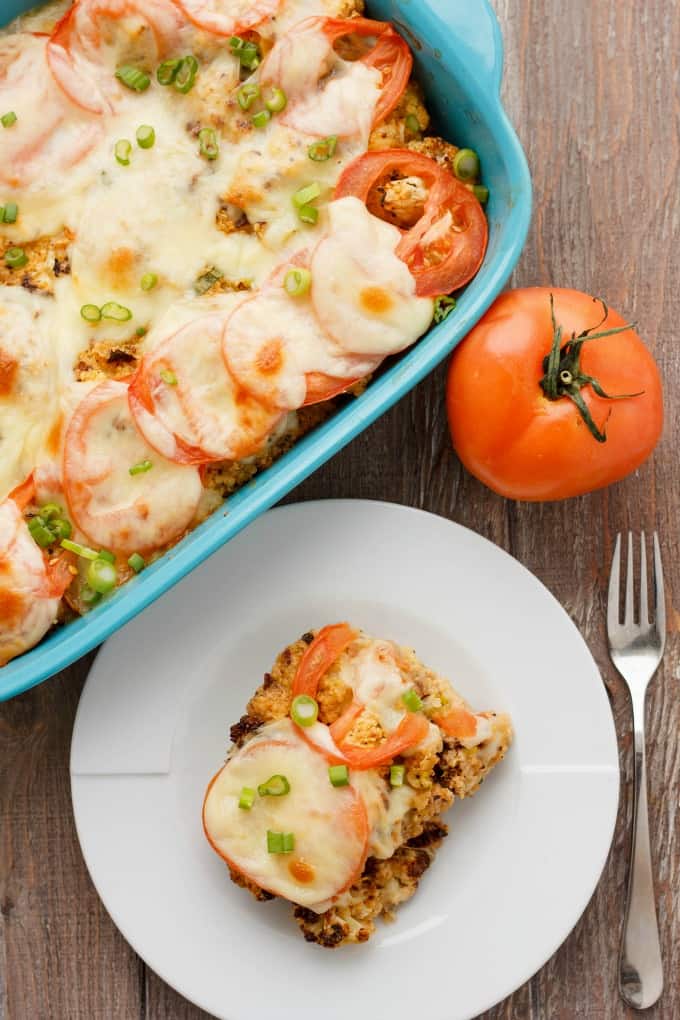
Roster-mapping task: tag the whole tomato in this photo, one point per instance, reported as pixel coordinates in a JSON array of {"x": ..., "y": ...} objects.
[{"x": 552, "y": 395}]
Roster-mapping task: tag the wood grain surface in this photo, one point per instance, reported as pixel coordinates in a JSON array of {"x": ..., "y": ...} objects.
[{"x": 592, "y": 90}]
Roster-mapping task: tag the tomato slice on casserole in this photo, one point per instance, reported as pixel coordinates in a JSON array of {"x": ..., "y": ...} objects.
[
  {"x": 121, "y": 493},
  {"x": 188, "y": 406},
  {"x": 326, "y": 827},
  {"x": 446, "y": 246}
]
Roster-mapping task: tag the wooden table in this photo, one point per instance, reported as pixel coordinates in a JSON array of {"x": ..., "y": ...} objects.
[{"x": 592, "y": 90}]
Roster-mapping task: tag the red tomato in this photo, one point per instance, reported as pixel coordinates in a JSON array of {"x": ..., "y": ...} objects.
[
  {"x": 411, "y": 730},
  {"x": 320, "y": 656},
  {"x": 517, "y": 427},
  {"x": 447, "y": 245}
]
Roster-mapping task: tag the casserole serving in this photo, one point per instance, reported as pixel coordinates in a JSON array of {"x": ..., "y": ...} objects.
[{"x": 471, "y": 115}]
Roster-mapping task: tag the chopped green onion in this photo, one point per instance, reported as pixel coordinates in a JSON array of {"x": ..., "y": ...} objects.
[
  {"x": 15, "y": 258},
  {"x": 247, "y": 52},
  {"x": 105, "y": 554},
  {"x": 208, "y": 146},
  {"x": 133, "y": 78},
  {"x": 323, "y": 149},
  {"x": 466, "y": 164},
  {"x": 40, "y": 533},
  {"x": 206, "y": 280},
  {"x": 246, "y": 798},
  {"x": 8, "y": 119},
  {"x": 146, "y": 136},
  {"x": 119, "y": 313},
  {"x": 141, "y": 331},
  {"x": 136, "y": 563},
  {"x": 141, "y": 468},
  {"x": 280, "y": 842},
  {"x": 397, "y": 775},
  {"x": 276, "y": 786},
  {"x": 185, "y": 76},
  {"x": 91, "y": 313},
  {"x": 297, "y": 282},
  {"x": 61, "y": 529},
  {"x": 412, "y": 124},
  {"x": 148, "y": 281},
  {"x": 308, "y": 214},
  {"x": 9, "y": 213},
  {"x": 304, "y": 710},
  {"x": 101, "y": 576},
  {"x": 88, "y": 596},
  {"x": 79, "y": 550},
  {"x": 262, "y": 118},
  {"x": 480, "y": 192},
  {"x": 443, "y": 306},
  {"x": 122, "y": 150},
  {"x": 167, "y": 71},
  {"x": 338, "y": 775},
  {"x": 411, "y": 700},
  {"x": 247, "y": 95},
  {"x": 276, "y": 101},
  {"x": 306, "y": 195},
  {"x": 168, "y": 377},
  {"x": 50, "y": 512}
]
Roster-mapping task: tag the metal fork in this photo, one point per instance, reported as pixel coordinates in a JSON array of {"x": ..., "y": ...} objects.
[{"x": 636, "y": 647}]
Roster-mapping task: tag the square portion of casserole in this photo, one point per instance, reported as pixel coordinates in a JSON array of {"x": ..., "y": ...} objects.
[{"x": 332, "y": 794}]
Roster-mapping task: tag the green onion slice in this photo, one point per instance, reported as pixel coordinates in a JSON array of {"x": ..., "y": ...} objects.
[
  {"x": 51, "y": 511},
  {"x": 443, "y": 306},
  {"x": 247, "y": 52},
  {"x": 306, "y": 195},
  {"x": 280, "y": 842},
  {"x": 304, "y": 711},
  {"x": 61, "y": 529},
  {"x": 133, "y": 78},
  {"x": 168, "y": 377},
  {"x": 246, "y": 798},
  {"x": 411, "y": 700},
  {"x": 323, "y": 149},
  {"x": 276, "y": 100},
  {"x": 40, "y": 533},
  {"x": 338, "y": 775},
  {"x": 466, "y": 164},
  {"x": 167, "y": 71},
  {"x": 119, "y": 313},
  {"x": 206, "y": 280},
  {"x": 308, "y": 214},
  {"x": 480, "y": 192},
  {"x": 148, "y": 281},
  {"x": 185, "y": 75},
  {"x": 106, "y": 554},
  {"x": 262, "y": 118},
  {"x": 91, "y": 313},
  {"x": 122, "y": 151},
  {"x": 397, "y": 773},
  {"x": 412, "y": 124},
  {"x": 79, "y": 550},
  {"x": 207, "y": 143},
  {"x": 136, "y": 563},
  {"x": 101, "y": 576},
  {"x": 15, "y": 258},
  {"x": 297, "y": 282},
  {"x": 247, "y": 94},
  {"x": 276, "y": 786},
  {"x": 88, "y": 596},
  {"x": 141, "y": 468},
  {"x": 9, "y": 213},
  {"x": 146, "y": 136},
  {"x": 8, "y": 119}
]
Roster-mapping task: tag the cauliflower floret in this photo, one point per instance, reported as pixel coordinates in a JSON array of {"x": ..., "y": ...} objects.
[{"x": 406, "y": 122}]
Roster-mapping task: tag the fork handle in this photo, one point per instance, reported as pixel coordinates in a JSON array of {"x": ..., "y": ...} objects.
[{"x": 640, "y": 967}]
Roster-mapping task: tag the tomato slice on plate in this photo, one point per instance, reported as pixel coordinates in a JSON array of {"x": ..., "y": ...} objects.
[
  {"x": 121, "y": 493},
  {"x": 320, "y": 655},
  {"x": 187, "y": 404},
  {"x": 229, "y": 17},
  {"x": 30, "y": 586},
  {"x": 446, "y": 247}
]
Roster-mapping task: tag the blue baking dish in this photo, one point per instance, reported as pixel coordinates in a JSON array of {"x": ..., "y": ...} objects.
[{"x": 459, "y": 56}]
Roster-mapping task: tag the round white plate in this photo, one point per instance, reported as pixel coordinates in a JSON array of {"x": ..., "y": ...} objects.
[{"x": 523, "y": 856}]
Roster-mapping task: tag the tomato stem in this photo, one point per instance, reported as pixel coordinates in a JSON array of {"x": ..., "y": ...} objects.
[{"x": 562, "y": 369}]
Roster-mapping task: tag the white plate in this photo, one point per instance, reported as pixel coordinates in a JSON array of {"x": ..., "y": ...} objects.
[{"x": 523, "y": 856}]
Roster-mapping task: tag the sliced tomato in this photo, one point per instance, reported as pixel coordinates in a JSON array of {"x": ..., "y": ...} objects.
[
  {"x": 229, "y": 17},
  {"x": 446, "y": 247},
  {"x": 114, "y": 508},
  {"x": 30, "y": 586},
  {"x": 203, "y": 415},
  {"x": 342, "y": 726},
  {"x": 318, "y": 657},
  {"x": 457, "y": 722},
  {"x": 95, "y": 36},
  {"x": 329, "y": 824},
  {"x": 413, "y": 728}
]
